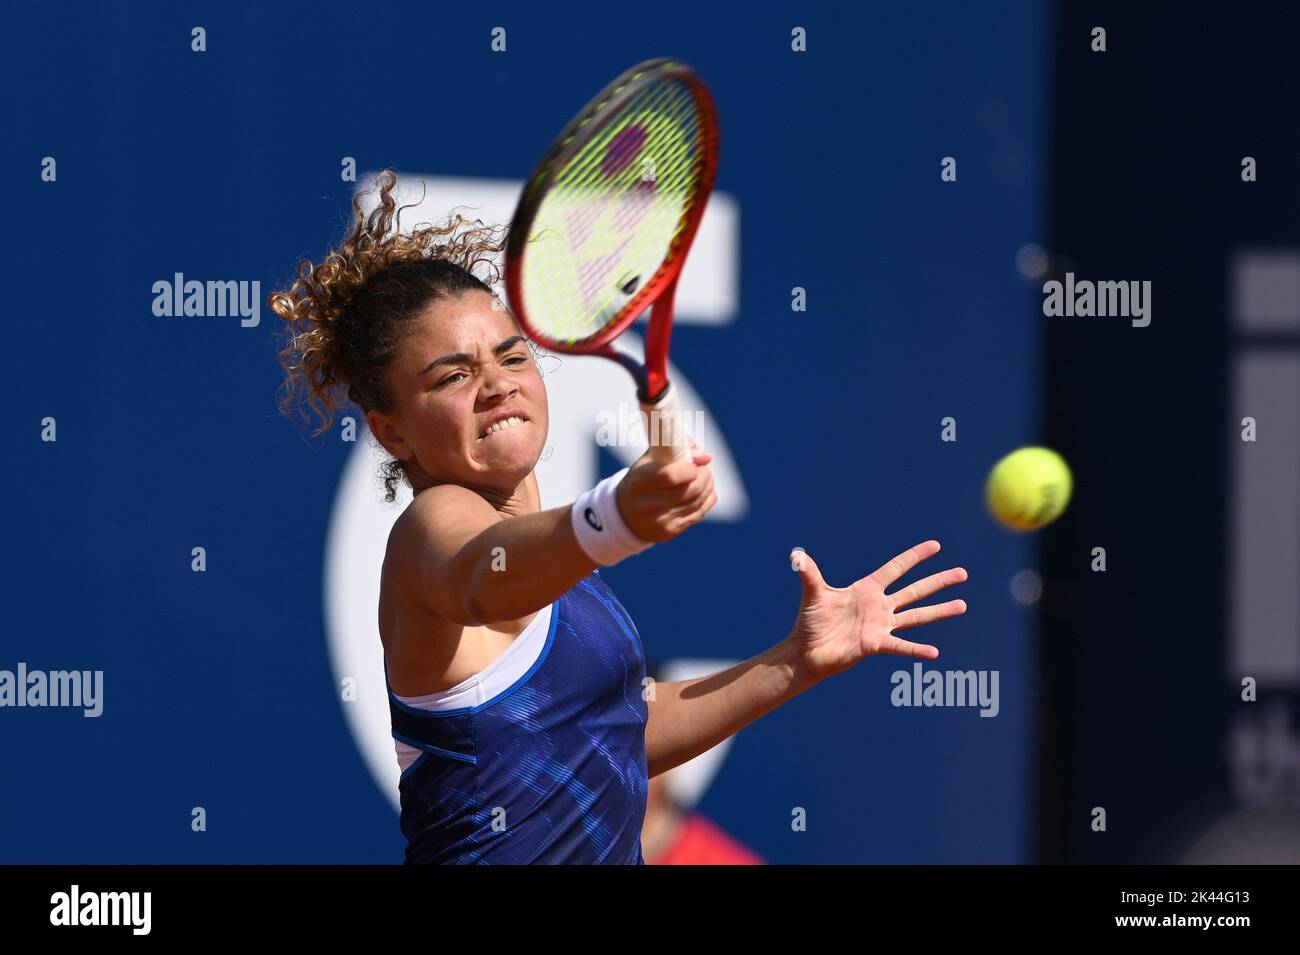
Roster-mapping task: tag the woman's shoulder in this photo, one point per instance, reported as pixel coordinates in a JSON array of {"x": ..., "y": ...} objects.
[
  {"x": 435, "y": 525},
  {"x": 440, "y": 510}
]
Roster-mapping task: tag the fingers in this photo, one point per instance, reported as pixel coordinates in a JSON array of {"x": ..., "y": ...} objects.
[
  {"x": 923, "y": 615},
  {"x": 660, "y": 500},
  {"x": 697, "y": 499},
  {"x": 905, "y": 648},
  {"x": 900, "y": 565},
  {"x": 688, "y": 493},
  {"x": 676, "y": 473},
  {"x": 930, "y": 585},
  {"x": 692, "y": 513},
  {"x": 690, "y": 497},
  {"x": 698, "y": 454},
  {"x": 810, "y": 575}
]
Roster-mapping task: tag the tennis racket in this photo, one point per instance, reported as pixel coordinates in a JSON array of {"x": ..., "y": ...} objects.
[{"x": 604, "y": 224}]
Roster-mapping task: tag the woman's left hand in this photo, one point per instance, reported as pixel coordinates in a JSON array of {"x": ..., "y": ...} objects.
[{"x": 838, "y": 626}]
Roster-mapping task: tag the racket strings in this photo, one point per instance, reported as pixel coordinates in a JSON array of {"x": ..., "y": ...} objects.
[
  {"x": 612, "y": 213},
  {"x": 661, "y": 107}
]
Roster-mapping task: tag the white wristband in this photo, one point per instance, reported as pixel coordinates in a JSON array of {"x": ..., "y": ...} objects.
[{"x": 600, "y": 528}]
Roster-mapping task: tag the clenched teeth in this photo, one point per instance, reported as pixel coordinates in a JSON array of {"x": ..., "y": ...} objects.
[{"x": 502, "y": 425}]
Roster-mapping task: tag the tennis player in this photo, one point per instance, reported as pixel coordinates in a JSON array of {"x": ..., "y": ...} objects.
[{"x": 522, "y": 723}]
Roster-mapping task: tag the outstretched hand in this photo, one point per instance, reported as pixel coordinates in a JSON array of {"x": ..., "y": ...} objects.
[{"x": 838, "y": 626}]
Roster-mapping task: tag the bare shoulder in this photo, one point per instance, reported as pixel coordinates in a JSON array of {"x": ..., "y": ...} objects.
[{"x": 434, "y": 527}]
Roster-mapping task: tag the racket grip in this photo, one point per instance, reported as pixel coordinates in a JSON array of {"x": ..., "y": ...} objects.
[{"x": 664, "y": 427}]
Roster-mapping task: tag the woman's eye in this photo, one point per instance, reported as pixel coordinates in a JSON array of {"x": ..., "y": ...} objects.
[
  {"x": 517, "y": 359},
  {"x": 450, "y": 378}
]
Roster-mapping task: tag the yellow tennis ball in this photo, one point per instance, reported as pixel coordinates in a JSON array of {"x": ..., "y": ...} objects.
[{"x": 1029, "y": 488}]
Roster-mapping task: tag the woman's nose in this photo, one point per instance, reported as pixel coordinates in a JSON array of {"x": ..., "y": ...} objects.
[{"x": 497, "y": 382}]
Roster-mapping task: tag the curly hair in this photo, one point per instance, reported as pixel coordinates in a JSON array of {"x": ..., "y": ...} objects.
[{"x": 348, "y": 316}]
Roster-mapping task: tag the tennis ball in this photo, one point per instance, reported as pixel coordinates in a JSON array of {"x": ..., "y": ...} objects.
[{"x": 1029, "y": 488}]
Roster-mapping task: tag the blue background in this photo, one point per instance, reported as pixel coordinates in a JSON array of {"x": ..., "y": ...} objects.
[{"x": 225, "y": 165}]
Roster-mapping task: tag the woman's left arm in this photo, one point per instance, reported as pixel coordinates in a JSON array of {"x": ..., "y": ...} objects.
[
  {"x": 836, "y": 628},
  {"x": 692, "y": 716}
]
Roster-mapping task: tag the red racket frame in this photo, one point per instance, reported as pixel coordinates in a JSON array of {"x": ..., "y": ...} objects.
[{"x": 652, "y": 377}]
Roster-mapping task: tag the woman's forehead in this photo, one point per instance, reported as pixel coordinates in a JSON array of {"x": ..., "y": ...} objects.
[{"x": 465, "y": 323}]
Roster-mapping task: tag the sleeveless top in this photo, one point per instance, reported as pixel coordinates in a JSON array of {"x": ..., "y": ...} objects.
[{"x": 550, "y": 769}]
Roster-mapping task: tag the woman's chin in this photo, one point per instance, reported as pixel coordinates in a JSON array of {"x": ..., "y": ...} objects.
[{"x": 513, "y": 463}]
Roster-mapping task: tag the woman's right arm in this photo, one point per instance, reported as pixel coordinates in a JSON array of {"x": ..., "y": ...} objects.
[{"x": 472, "y": 566}]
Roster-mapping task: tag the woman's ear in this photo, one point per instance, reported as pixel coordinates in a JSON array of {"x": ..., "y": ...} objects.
[{"x": 386, "y": 432}]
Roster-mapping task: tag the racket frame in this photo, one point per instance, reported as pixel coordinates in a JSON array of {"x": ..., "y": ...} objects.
[{"x": 653, "y": 388}]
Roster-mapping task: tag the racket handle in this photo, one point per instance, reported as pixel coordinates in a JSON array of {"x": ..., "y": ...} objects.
[{"x": 664, "y": 427}]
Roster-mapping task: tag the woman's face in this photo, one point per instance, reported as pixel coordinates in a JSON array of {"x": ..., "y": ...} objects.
[{"x": 464, "y": 367}]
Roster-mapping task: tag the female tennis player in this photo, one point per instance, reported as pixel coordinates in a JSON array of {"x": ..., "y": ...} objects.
[{"x": 522, "y": 725}]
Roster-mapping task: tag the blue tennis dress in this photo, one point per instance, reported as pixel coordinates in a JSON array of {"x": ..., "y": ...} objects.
[{"x": 551, "y": 769}]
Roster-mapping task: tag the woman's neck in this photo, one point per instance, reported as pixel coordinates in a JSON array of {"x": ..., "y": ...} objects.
[{"x": 524, "y": 499}]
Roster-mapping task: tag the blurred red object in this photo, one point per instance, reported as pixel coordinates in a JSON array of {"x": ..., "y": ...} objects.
[{"x": 700, "y": 842}]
